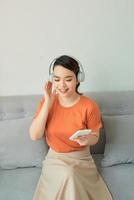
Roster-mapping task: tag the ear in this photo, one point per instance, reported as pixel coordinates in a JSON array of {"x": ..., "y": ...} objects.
[{"x": 77, "y": 82}]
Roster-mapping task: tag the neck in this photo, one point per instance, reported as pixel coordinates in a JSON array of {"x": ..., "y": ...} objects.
[{"x": 69, "y": 99}]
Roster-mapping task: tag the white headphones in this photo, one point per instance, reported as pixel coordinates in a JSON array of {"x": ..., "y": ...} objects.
[{"x": 80, "y": 75}]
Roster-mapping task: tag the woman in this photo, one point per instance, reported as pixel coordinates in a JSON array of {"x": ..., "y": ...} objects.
[{"x": 68, "y": 172}]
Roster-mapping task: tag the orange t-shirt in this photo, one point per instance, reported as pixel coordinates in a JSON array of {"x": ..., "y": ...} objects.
[{"x": 62, "y": 122}]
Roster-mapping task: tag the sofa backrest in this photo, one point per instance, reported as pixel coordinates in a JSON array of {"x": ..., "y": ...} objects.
[
  {"x": 110, "y": 103},
  {"x": 16, "y": 147},
  {"x": 13, "y": 107}
]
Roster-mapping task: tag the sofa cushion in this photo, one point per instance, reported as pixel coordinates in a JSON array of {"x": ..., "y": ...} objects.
[
  {"x": 18, "y": 184},
  {"x": 16, "y": 147},
  {"x": 119, "y": 146},
  {"x": 119, "y": 179}
]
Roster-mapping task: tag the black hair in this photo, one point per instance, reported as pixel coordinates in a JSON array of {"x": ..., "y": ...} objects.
[{"x": 69, "y": 63}]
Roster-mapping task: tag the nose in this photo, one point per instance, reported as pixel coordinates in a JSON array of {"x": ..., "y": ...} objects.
[{"x": 62, "y": 83}]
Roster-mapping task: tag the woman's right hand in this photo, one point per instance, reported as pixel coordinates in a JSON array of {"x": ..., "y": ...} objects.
[
  {"x": 39, "y": 123},
  {"x": 49, "y": 95}
]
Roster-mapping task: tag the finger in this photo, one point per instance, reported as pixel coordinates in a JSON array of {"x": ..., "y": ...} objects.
[
  {"x": 82, "y": 137},
  {"x": 49, "y": 84},
  {"x": 82, "y": 143},
  {"x": 45, "y": 86},
  {"x": 79, "y": 140}
]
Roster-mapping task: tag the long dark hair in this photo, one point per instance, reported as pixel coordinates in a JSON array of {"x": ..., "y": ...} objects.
[{"x": 69, "y": 63}]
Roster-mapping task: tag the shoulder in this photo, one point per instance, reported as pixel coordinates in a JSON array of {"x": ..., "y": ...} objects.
[{"x": 87, "y": 101}]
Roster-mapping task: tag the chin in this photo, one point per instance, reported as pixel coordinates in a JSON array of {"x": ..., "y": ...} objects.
[{"x": 65, "y": 95}]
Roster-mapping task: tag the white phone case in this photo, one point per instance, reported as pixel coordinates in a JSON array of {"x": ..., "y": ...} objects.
[{"x": 80, "y": 133}]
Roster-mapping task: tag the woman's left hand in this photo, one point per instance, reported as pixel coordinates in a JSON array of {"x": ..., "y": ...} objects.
[
  {"x": 82, "y": 140},
  {"x": 90, "y": 139}
]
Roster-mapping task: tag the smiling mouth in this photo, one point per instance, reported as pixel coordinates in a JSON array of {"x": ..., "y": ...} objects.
[{"x": 63, "y": 91}]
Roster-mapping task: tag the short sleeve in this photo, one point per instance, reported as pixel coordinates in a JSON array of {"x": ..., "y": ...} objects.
[
  {"x": 38, "y": 107},
  {"x": 93, "y": 117}
]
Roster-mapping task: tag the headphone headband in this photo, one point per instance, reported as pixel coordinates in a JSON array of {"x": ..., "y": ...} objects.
[{"x": 80, "y": 75}]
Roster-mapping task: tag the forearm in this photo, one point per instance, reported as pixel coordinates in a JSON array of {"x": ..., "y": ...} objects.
[{"x": 38, "y": 124}]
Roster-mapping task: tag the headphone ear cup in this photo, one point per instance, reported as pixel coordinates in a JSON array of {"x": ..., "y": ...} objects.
[
  {"x": 51, "y": 77},
  {"x": 80, "y": 76}
]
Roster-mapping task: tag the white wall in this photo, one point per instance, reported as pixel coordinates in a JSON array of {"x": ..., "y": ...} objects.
[{"x": 99, "y": 33}]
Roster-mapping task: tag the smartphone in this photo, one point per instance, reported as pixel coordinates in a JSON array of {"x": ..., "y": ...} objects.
[{"x": 80, "y": 133}]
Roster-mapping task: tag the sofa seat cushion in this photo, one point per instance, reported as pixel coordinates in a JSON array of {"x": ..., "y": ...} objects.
[
  {"x": 18, "y": 184},
  {"x": 119, "y": 178}
]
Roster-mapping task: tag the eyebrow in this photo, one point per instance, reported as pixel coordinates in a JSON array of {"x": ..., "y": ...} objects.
[{"x": 65, "y": 77}]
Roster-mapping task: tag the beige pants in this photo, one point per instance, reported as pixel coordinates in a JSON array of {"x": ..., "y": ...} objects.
[{"x": 70, "y": 176}]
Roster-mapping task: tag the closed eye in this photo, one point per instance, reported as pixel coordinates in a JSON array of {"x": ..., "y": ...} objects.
[
  {"x": 69, "y": 80},
  {"x": 56, "y": 80},
  {"x": 59, "y": 80}
]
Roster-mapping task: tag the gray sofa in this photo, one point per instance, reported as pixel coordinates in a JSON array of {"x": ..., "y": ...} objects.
[{"x": 21, "y": 158}]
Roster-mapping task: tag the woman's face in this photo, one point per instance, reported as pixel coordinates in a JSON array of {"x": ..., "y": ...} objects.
[{"x": 64, "y": 81}]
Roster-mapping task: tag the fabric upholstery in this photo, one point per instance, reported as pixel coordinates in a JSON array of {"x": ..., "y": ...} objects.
[
  {"x": 119, "y": 146},
  {"x": 119, "y": 178},
  {"x": 16, "y": 147},
  {"x": 18, "y": 184}
]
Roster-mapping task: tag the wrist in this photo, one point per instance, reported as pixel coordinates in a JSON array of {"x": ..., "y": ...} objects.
[{"x": 93, "y": 139}]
